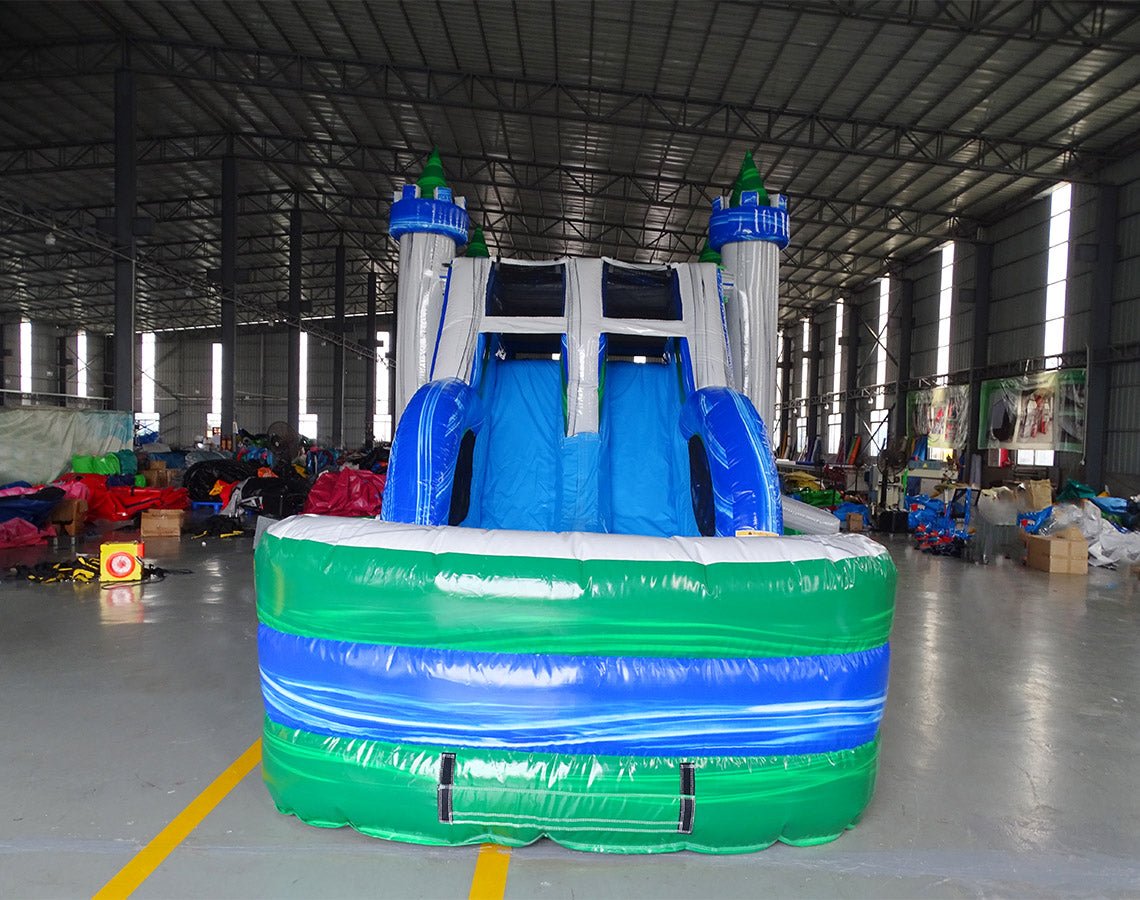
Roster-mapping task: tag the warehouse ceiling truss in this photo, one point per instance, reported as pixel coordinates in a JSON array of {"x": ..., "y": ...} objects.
[{"x": 571, "y": 128}]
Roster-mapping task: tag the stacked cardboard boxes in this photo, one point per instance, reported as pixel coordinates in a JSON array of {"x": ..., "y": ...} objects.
[
  {"x": 162, "y": 522},
  {"x": 157, "y": 475},
  {"x": 1064, "y": 553}
]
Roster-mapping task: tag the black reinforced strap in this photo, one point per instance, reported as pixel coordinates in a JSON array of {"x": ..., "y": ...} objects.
[
  {"x": 688, "y": 798},
  {"x": 446, "y": 781}
]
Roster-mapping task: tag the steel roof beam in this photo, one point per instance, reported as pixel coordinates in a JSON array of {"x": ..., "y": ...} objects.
[
  {"x": 1051, "y": 23},
  {"x": 569, "y": 180},
  {"x": 960, "y": 151}
]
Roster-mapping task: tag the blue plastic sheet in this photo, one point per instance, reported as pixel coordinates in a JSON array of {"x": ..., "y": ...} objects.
[
  {"x": 578, "y": 704},
  {"x": 843, "y": 510},
  {"x": 1031, "y": 522},
  {"x": 35, "y": 508}
]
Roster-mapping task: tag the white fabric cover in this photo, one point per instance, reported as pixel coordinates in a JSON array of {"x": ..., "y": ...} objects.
[{"x": 37, "y": 442}]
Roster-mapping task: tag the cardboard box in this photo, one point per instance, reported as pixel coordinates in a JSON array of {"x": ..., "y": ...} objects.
[
  {"x": 70, "y": 514},
  {"x": 1040, "y": 494},
  {"x": 159, "y": 478},
  {"x": 155, "y": 463},
  {"x": 162, "y": 522},
  {"x": 1057, "y": 555},
  {"x": 854, "y": 522}
]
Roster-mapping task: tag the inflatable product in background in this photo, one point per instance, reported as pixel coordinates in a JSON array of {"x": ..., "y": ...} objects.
[{"x": 579, "y": 618}]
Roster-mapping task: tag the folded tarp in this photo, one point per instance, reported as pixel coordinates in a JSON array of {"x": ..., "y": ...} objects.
[
  {"x": 842, "y": 511},
  {"x": 21, "y": 533},
  {"x": 107, "y": 464},
  {"x": 34, "y": 507},
  {"x": 128, "y": 462}
]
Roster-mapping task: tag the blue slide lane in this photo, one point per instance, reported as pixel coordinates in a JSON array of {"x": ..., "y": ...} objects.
[{"x": 574, "y": 704}]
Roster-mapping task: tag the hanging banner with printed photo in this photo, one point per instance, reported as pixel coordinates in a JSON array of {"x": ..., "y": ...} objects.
[
  {"x": 1043, "y": 411},
  {"x": 941, "y": 414}
]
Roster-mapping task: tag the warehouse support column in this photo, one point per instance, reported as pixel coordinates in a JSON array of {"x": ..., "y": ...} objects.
[
  {"x": 293, "y": 333},
  {"x": 789, "y": 391},
  {"x": 229, "y": 296},
  {"x": 370, "y": 364},
  {"x": 123, "y": 342},
  {"x": 850, "y": 344},
  {"x": 338, "y": 350},
  {"x": 62, "y": 361},
  {"x": 814, "y": 407},
  {"x": 1100, "y": 328},
  {"x": 902, "y": 383},
  {"x": 390, "y": 362},
  {"x": 983, "y": 273}
]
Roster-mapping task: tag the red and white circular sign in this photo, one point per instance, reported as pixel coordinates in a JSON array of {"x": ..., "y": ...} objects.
[{"x": 121, "y": 565}]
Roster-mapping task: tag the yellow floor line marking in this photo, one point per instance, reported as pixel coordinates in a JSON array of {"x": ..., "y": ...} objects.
[
  {"x": 490, "y": 878},
  {"x": 151, "y": 856}
]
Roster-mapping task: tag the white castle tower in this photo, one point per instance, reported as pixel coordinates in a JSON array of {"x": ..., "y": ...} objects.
[{"x": 430, "y": 225}]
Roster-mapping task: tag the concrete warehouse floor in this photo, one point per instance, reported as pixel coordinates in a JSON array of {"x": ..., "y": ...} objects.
[{"x": 1009, "y": 752}]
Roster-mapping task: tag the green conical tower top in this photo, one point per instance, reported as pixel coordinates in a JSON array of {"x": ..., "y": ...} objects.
[
  {"x": 432, "y": 176},
  {"x": 477, "y": 246},
  {"x": 748, "y": 179},
  {"x": 708, "y": 254}
]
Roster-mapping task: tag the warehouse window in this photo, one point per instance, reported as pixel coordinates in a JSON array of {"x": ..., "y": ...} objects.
[
  {"x": 146, "y": 420},
  {"x": 382, "y": 415},
  {"x": 835, "y": 417},
  {"x": 26, "y": 359},
  {"x": 881, "y": 343},
  {"x": 878, "y": 416},
  {"x": 1056, "y": 297},
  {"x": 878, "y": 431},
  {"x": 805, "y": 392},
  {"x": 81, "y": 363},
  {"x": 781, "y": 388},
  {"x": 945, "y": 310},
  {"x": 214, "y": 416},
  {"x": 307, "y": 422},
  {"x": 1060, "y": 203},
  {"x": 146, "y": 366}
]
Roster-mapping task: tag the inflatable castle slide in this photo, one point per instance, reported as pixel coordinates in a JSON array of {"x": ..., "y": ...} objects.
[{"x": 579, "y": 615}]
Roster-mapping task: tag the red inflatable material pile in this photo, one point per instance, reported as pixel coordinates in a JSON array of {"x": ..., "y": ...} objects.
[
  {"x": 119, "y": 503},
  {"x": 22, "y": 533},
  {"x": 350, "y": 492}
]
